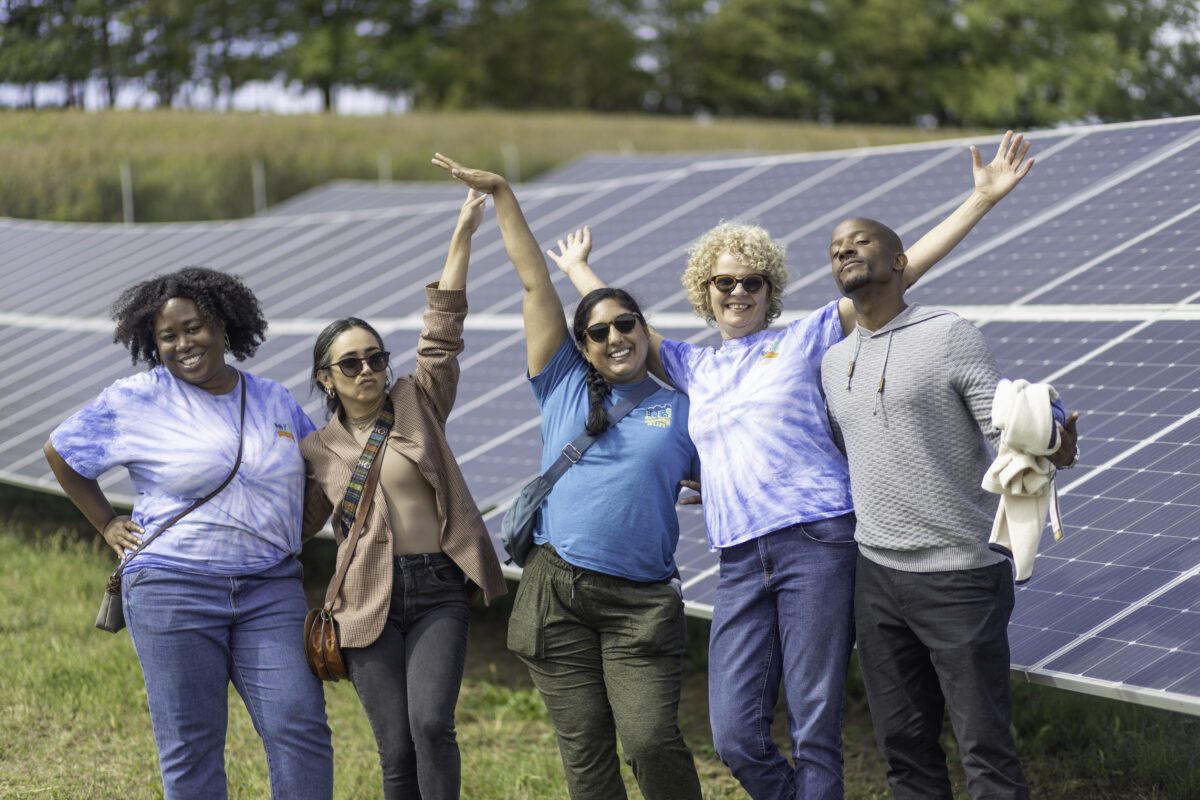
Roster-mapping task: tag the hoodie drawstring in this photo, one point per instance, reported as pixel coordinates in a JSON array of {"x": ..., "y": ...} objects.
[
  {"x": 883, "y": 374},
  {"x": 853, "y": 358}
]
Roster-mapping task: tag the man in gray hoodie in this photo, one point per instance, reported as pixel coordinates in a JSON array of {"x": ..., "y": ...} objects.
[{"x": 910, "y": 394}]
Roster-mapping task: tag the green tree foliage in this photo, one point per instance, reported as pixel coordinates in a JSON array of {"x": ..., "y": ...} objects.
[{"x": 964, "y": 62}]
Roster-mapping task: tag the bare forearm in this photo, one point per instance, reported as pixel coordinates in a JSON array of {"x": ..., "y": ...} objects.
[
  {"x": 583, "y": 278},
  {"x": 945, "y": 236},
  {"x": 522, "y": 248},
  {"x": 85, "y": 493},
  {"x": 454, "y": 273}
]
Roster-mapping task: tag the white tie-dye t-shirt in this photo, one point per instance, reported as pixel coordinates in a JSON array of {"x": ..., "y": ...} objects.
[
  {"x": 767, "y": 456},
  {"x": 178, "y": 443}
]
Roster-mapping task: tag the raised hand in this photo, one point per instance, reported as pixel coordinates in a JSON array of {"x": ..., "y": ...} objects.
[
  {"x": 471, "y": 213},
  {"x": 119, "y": 534},
  {"x": 477, "y": 179},
  {"x": 574, "y": 251},
  {"x": 1005, "y": 171}
]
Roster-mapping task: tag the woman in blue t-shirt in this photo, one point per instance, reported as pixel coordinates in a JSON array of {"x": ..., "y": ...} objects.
[
  {"x": 217, "y": 597},
  {"x": 598, "y": 617}
]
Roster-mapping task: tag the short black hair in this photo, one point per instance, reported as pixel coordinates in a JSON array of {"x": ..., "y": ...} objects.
[{"x": 221, "y": 297}]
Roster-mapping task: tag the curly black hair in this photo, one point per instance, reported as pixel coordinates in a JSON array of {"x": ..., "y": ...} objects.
[{"x": 219, "y": 296}]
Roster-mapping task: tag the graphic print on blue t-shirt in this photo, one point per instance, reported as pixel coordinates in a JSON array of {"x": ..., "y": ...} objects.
[
  {"x": 178, "y": 443},
  {"x": 758, "y": 420},
  {"x": 614, "y": 511}
]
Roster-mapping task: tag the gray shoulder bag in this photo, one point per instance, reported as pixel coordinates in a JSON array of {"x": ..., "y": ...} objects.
[
  {"x": 516, "y": 530},
  {"x": 112, "y": 616}
]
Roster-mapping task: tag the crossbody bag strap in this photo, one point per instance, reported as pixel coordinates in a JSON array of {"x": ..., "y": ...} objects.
[
  {"x": 573, "y": 451},
  {"x": 237, "y": 463},
  {"x": 357, "y": 501}
]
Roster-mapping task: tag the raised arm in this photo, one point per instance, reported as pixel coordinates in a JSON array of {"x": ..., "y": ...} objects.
[
  {"x": 454, "y": 273},
  {"x": 545, "y": 326},
  {"x": 992, "y": 182},
  {"x": 572, "y": 259}
]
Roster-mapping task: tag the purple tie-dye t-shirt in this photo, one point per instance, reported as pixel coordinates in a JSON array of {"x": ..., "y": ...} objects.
[
  {"x": 767, "y": 456},
  {"x": 178, "y": 443}
]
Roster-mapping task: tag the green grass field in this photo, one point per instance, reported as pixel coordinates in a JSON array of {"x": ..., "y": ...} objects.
[
  {"x": 76, "y": 723},
  {"x": 193, "y": 165}
]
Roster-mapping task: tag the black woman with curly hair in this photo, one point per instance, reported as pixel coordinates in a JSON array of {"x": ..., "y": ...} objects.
[{"x": 217, "y": 597}]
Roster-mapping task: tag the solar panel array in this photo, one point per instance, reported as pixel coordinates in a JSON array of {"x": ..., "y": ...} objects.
[{"x": 1085, "y": 277}]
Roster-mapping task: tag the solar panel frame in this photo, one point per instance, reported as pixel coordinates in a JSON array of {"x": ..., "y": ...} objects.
[{"x": 1123, "y": 584}]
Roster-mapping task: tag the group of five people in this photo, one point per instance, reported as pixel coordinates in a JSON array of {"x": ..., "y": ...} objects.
[{"x": 865, "y": 420}]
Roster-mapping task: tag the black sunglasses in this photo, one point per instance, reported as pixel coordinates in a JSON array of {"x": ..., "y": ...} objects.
[
  {"x": 751, "y": 283},
  {"x": 624, "y": 323},
  {"x": 352, "y": 365}
]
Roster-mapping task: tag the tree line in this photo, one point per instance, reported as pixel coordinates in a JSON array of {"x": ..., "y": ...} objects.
[{"x": 931, "y": 62}]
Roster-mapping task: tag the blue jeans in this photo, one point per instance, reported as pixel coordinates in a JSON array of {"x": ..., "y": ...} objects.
[
  {"x": 408, "y": 679},
  {"x": 194, "y": 634},
  {"x": 784, "y": 613}
]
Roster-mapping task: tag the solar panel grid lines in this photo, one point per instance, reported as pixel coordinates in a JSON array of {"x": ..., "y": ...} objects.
[
  {"x": 1091, "y": 190},
  {"x": 1099, "y": 297}
]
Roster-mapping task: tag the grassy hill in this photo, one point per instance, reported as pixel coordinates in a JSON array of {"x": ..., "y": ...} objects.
[{"x": 65, "y": 165}]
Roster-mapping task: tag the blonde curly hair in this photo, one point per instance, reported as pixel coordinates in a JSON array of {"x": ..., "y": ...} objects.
[{"x": 749, "y": 244}]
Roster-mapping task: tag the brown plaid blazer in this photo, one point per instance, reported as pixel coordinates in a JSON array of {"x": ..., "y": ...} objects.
[{"x": 422, "y": 402}]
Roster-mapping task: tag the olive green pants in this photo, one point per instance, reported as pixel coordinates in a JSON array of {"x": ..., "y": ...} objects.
[{"x": 606, "y": 654}]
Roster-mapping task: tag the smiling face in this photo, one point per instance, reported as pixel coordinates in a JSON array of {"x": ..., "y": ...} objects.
[
  {"x": 189, "y": 346},
  {"x": 621, "y": 357},
  {"x": 365, "y": 389},
  {"x": 738, "y": 313},
  {"x": 865, "y": 253}
]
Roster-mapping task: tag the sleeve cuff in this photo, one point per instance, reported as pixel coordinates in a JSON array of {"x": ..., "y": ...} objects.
[{"x": 445, "y": 299}]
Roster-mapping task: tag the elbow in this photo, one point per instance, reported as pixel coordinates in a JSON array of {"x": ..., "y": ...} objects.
[{"x": 52, "y": 456}]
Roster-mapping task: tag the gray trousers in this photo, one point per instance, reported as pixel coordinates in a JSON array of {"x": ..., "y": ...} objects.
[
  {"x": 606, "y": 654},
  {"x": 931, "y": 641}
]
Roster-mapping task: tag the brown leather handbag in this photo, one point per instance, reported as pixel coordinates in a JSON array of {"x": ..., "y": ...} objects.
[{"x": 321, "y": 646}]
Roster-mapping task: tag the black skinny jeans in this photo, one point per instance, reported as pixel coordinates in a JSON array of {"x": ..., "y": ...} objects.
[{"x": 408, "y": 679}]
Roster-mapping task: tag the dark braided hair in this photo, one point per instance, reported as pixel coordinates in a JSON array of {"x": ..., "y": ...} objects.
[
  {"x": 221, "y": 297},
  {"x": 598, "y": 387},
  {"x": 321, "y": 354}
]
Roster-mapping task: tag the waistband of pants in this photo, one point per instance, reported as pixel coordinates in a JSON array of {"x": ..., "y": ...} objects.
[
  {"x": 552, "y": 560},
  {"x": 411, "y": 560}
]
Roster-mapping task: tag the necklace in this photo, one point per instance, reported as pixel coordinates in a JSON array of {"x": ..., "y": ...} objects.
[{"x": 364, "y": 422}]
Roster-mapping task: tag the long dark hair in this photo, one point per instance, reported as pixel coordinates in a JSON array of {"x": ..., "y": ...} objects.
[
  {"x": 321, "y": 354},
  {"x": 598, "y": 387}
]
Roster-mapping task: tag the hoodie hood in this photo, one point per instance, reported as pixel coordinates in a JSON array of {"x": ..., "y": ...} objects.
[{"x": 915, "y": 314}]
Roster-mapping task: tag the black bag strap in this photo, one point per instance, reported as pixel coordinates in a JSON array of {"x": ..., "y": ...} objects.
[
  {"x": 573, "y": 450},
  {"x": 115, "y": 578}
]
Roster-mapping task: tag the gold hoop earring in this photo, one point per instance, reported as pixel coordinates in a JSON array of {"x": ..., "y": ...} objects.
[
  {"x": 329, "y": 391},
  {"x": 228, "y": 344}
]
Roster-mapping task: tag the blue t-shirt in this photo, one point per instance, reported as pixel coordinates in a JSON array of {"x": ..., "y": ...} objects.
[
  {"x": 766, "y": 446},
  {"x": 614, "y": 511},
  {"x": 178, "y": 443}
]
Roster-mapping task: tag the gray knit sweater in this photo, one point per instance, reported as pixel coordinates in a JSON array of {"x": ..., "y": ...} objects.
[{"x": 917, "y": 450}]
